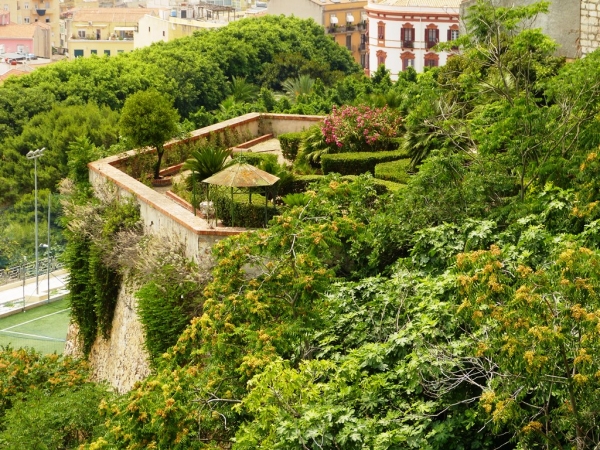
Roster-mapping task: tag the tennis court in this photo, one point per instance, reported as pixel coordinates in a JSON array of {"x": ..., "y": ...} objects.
[{"x": 43, "y": 328}]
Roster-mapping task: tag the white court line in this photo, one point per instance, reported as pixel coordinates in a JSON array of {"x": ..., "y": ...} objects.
[
  {"x": 33, "y": 320},
  {"x": 36, "y": 336}
]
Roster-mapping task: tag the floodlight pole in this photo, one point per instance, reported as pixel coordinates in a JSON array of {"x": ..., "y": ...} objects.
[{"x": 35, "y": 154}]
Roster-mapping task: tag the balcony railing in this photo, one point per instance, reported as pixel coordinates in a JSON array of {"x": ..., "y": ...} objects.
[
  {"x": 408, "y": 44},
  {"x": 362, "y": 26},
  {"x": 430, "y": 44},
  {"x": 40, "y": 12},
  {"x": 362, "y": 47}
]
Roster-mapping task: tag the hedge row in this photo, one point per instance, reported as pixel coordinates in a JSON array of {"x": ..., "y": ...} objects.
[
  {"x": 245, "y": 214},
  {"x": 255, "y": 159},
  {"x": 393, "y": 171},
  {"x": 290, "y": 144},
  {"x": 358, "y": 163}
]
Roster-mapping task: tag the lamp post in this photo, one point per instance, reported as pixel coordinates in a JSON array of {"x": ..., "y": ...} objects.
[{"x": 35, "y": 154}]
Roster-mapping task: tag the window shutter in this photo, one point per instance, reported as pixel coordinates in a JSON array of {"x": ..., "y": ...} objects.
[
  {"x": 426, "y": 37},
  {"x": 437, "y": 36},
  {"x": 449, "y": 35},
  {"x": 402, "y": 35}
]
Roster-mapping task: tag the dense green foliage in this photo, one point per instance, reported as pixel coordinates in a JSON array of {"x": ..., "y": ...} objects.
[
  {"x": 460, "y": 311},
  {"x": 47, "y": 401}
]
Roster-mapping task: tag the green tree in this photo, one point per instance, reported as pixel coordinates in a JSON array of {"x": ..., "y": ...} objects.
[{"x": 149, "y": 119}]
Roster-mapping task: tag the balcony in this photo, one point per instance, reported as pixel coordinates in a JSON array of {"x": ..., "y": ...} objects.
[
  {"x": 430, "y": 44},
  {"x": 408, "y": 44},
  {"x": 362, "y": 26},
  {"x": 40, "y": 12},
  {"x": 362, "y": 47}
]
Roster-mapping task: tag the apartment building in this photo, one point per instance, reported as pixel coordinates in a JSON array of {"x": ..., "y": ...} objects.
[
  {"x": 403, "y": 33},
  {"x": 104, "y": 31},
  {"x": 35, "y": 11},
  {"x": 344, "y": 21}
]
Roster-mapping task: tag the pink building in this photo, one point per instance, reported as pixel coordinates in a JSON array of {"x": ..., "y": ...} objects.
[{"x": 25, "y": 38}]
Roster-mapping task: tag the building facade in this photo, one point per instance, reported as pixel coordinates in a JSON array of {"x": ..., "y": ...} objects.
[
  {"x": 104, "y": 31},
  {"x": 46, "y": 12},
  {"x": 403, "y": 33},
  {"x": 25, "y": 39},
  {"x": 344, "y": 21}
]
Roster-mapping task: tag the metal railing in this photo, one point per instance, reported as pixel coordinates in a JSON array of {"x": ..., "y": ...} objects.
[{"x": 27, "y": 270}]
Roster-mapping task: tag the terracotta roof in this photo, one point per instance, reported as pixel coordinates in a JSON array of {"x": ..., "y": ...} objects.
[
  {"x": 426, "y": 3},
  {"x": 112, "y": 15},
  {"x": 14, "y": 30},
  {"x": 16, "y": 72}
]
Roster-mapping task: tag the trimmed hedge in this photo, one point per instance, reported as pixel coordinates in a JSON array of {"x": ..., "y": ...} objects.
[
  {"x": 393, "y": 171},
  {"x": 255, "y": 159},
  {"x": 358, "y": 163},
  {"x": 245, "y": 214},
  {"x": 290, "y": 144}
]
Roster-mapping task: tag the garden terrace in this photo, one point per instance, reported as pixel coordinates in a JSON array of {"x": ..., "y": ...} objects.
[{"x": 161, "y": 215}]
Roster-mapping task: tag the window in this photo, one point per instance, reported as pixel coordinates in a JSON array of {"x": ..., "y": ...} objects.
[
  {"x": 407, "y": 36},
  {"x": 363, "y": 60},
  {"x": 5, "y": 7},
  {"x": 349, "y": 42},
  {"x": 94, "y": 52},
  {"x": 381, "y": 31},
  {"x": 26, "y": 5},
  {"x": 47, "y": 20},
  {"x": 381, "y": 55},
  {"x": 408, "y": 60},
  {"x": 107, "y": 52},
  {"x": 431, "y": 60},
  {"x": 26, "y": 19},
  {"x": 120, "y": 51},
  {"x": 1, "y": 48},
  {"x": 163, "y": 34},
  {"x": 78, "y": 53},
  {"x": 432, "y": 36},
  {"x": 81, "y": 34}
]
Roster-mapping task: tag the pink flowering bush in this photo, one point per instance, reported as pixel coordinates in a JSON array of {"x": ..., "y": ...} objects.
[{"x": 360, "y": 129}]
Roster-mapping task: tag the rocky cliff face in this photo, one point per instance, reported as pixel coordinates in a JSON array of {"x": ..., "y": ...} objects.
[{"x": 122, "y": 359}]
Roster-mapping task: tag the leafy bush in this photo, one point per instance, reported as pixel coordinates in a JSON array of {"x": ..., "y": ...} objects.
[
  {"x": 357, "y": 163},
  {"x": 24, "y": 370},
  {"x": 62, "y": 419},
  {"x": 393, "y": 171},
  {"x": 245, "y": 214},
  {"x": 165, "y": 306},
  {"x": 290, "y": 144}
]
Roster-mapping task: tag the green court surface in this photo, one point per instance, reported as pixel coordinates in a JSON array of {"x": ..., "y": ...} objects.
[{"x": 43, "y": 328}]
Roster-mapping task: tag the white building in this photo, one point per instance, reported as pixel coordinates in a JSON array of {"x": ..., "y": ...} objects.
[{"x": 403, "y": 32}]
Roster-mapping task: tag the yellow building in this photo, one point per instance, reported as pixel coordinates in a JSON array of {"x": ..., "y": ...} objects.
[
  {"x": 344, "y": 20},
  {"x": 32, "y": 11},
  {"x": 104, "y": 31}
]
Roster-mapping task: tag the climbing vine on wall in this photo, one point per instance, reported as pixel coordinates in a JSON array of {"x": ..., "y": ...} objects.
[{"x": 98, "y": 231}]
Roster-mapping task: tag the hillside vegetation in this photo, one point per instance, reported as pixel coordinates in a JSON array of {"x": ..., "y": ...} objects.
[{"x": 461, "y": 312}]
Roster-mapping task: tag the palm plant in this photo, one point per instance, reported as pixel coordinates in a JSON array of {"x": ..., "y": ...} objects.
[
  {"x": 205, "y": 163},
  {"x": 242, "y": 91},
  {"x": 294, "y": 87},
  {"x": 313, "y": 146}
]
